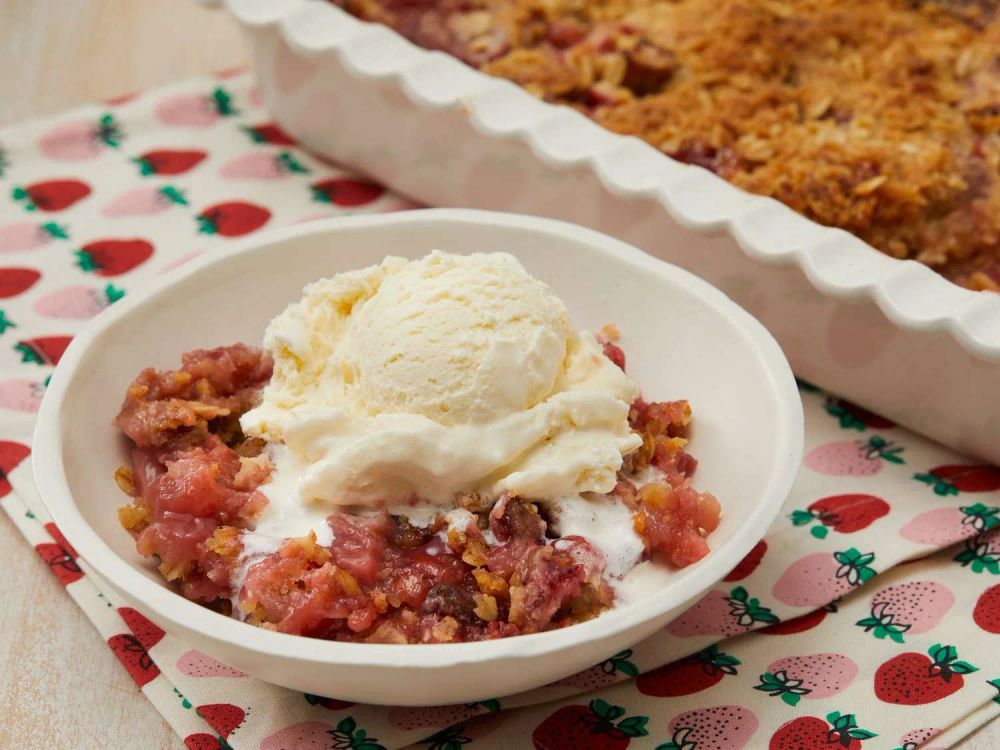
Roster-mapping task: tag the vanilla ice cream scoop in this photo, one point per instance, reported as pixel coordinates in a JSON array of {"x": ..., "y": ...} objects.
[{"x": 429, "y": 378}]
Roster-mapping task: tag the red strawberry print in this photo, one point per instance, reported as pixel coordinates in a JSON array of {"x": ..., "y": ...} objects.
[
  {"x": 954, "y": 478},
  {"x": 715, "y": 728},
  {"x": 913, "y": 679},
  {"x": 15, "y": 281},
  {"x": 813, "y": 733},
  {"x": 853, "y": 417},
  {"x": 800, "y": 624},
  {"x": 60, "y": 562},
  {"x": 261, "y": 165},
  {"x": 346, "y": 192},
  {"x": 913, "y": 607},
  {"x": 80, "y": 139},
  {"x": 203, "y": 741},
  {"x": 224, "y": 718},
  {"x": 195, "y": 110},
  {"x": 51, "y": 195},
  {"x": 721, "y": 613},
  {"x": 842, "y": 513},
  {"x": 146, "y": 200},
  {"x": 453, "y": 738},
  {"x": 422, "y": 717},
  {"x": 232, "y": 219},
  {"x": 986, "y": 613},
  {"x": 814, "y": 676},
  {"x": 331, "y": 704},
  {"x": 133, "y": 656},
  {"x": 269, "y": 132},
  {"x": 11, "y": 454},
  {"x": 689, "y": 675},
  {"x": 56, "y": 534},
  {"x": 982, "y": 553},
  {"x": 77, "y": 302},
  {"x": 816, "y": 579},
  {"x": 857, "y": 458},
  {"x": 317, "y": 735},
  {"x": 21, "y": 394},
  {"x": 601, "y": 675},
  {"x": 916, "y": 738},
  {"x": 745, "y": 567},
  {"x": 113, "y": 257},
  {"x": 592, "y": 727},
  {"x": 165, "y": 161},
  {"x": 943, "y": 526},
  {"x": 43, "y": 350},
  {"x": 148, "y": 633},
  {"x": 26, "y": 235}
]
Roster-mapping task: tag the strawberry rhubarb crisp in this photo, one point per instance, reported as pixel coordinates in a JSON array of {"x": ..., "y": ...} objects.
[{"x": 423, "y": 451}]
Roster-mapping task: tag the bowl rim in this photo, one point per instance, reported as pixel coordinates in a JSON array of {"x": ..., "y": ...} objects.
[{"x": 172, "y": 611}]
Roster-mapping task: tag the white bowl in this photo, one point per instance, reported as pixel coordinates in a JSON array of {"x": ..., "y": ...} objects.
[{"x": 682, "y": 338}]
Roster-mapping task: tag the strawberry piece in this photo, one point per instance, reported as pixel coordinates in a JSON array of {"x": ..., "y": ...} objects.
[{"x": 134, "y": 658}]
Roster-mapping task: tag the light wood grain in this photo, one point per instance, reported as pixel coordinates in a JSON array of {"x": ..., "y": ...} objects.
[{"x": 62, "y": 686}]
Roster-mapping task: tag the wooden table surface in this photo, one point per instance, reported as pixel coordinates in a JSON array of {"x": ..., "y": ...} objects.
[{"x": 63, "y": 688}]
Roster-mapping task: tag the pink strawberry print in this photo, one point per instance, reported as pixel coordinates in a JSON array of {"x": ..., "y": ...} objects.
[
  {"x": 821, "y": 577},
  {"x": 424, "y": 717},
  {"x": 608, "y": 672},
  {"x": 195, "y": 110},
  {"x": 981, "y": 554},
  {"x": 262, "y": 165},
  {"x": 916, "y": 738},
  {"x": 194, "y": 663},
  {"x": 77, "y": 302},
  {"x": 79, "y": 140},
  {"x": 20, "y": 394},
  {"x": 715, "y": 728},
  {"x": 721, "y": 613},
  {"x": 813, "y": 676},
  {"x": 943, "y": 526},
  {"x": 147, "y": 200},
  {"x": 453, "y": 738},
  {"x": 27, "y": 235},
  {"x": 318, "y": 735},
  {"x": 853, "y": 458},
  {"x": 912, "y": 608}
]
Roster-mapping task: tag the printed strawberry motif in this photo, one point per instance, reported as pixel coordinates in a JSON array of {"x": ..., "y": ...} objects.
[
  {"x": 60, "y": 562},
  {"x": 43, "y": 350},
  {"x": 268, "y": 132},
  {"x": 795, "y": 625},
  {"x": 79, "y": 140},
  {"x": 196, "y": 664},
  {"x": 195, "y": 110},
  {"x": 842, "y": 513},
  {"x": 317, "y": 735},
  {"x": 203, "y": 741},
  {"x": 813, "y": 676},
  {"x": 113, "y": 257},
  {"x": 721, "y": 613},
  {"x": 22, "y": 395},
  {"x": 346, "y": 192},
  {"x": 224, "y": 718},
  {"x": 853, "y": 417},
  {"x": 716, "y": 728},
  {"x": 592, "y": 727},
  {"x": 15, "y": 281},
  {"x": 689, "y": 675},
  {"x": 77, "y": 302},
  {"x": 147, "y": 632},
  {"x": 165, "y": 161},
  {"x": 453, "y": 738},
  {"x": 232, "y": 219},
  {"x": 813, "y": 733},
  {"x": 133, "y": 656},
  {"x": 117, "y": 101},
  {"x": 262, "y": 165},
  {"x": 853, "y": 458},
  {"x": 11, "y": 454},
  {"x": 25, "y": 235},
  {"x": 913, "y": 679},
  {"x": 915, "y": 738},
  {"x": 745, "y": 567},
  {"x": 422, "y": 717},
  {"x": 816, "y": 579},
  {"x": 913, "y": 607},
  {"x": 600, "y": 675},
  {"x": 331, "y": 704},
  {"x": 953, "y": 479},
  {"x": 51, "y": 195},
  {"x": 144, "y": 201},
  {"x": 943, "y": 526},
  {"x": 986, "y": 613},
  {"x": 982, "y": 553}
]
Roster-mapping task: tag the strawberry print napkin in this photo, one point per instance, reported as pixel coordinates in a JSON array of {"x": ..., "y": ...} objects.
[{"x": 866, "y": 618}]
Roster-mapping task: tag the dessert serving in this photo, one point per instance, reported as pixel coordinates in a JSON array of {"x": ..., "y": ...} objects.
[
  {"x": 879, "y": 117},
  {"x": 423, "y": 451}
]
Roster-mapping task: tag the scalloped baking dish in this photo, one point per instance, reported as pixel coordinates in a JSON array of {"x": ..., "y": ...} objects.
[{"x": 888, "y": 334}]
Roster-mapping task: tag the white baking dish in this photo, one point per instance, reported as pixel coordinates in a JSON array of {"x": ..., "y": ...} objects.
[{"x": 888, "y": 334}]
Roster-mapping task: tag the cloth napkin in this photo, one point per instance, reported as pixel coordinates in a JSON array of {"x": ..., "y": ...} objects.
[{"x": 866, "y": 617}]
